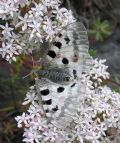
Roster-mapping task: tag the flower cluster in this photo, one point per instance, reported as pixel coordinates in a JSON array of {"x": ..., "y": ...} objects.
[
  {"x": 28, "y": 23},
  {"x": 98, "y": 113},
  {"x": 25, "y": 25}
]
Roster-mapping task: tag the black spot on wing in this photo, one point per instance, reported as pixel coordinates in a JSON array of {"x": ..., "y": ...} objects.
[
  {"x": 83, "y": 72},
  {"x": 73, "y": 84},
  {"x": 65, "y": 61},
  {"x": 60, "y": 89},
  {"x": 74, "y": 73},
  {"x": 60, "y": 35},
  {"x": 67, "y": 40},
  {"x": 47, "y": 102},
  {"x": 45, "y": 92},
  {"x": 57, "y": 44},
  {"x": 52, "y": 54},
  {"x": 55, "y": 109},
  {"x": 47, "y": 111}
]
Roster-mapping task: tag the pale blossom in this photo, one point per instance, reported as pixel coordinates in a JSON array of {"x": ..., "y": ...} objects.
[
  {"x": 7, "y": 9},
  {"x": 9, "y": 50}
]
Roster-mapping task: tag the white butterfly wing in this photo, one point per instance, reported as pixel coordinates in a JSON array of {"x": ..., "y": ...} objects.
[
  {"x": 60, "y": 103},
  {"x": 71, "y": 48},
  {"x": 70, "y": 51}
]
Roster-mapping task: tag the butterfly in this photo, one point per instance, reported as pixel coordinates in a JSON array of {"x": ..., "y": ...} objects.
[{"x": 59, "y": 84}]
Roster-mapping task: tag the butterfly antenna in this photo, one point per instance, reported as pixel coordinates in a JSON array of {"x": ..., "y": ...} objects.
[
  {"x": 28, "y": 74},
  {"x": 33, "y": 65}
]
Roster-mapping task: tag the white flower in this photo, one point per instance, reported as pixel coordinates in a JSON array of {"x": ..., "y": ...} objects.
[
  {"x": 31, "y": 136},
  {"x": 35, "y": 108},
  {"x": 51, "y": 3},
  {"x": 35, "y": 25},
  {"x": 22, "y": 2},
  {"x": 9, "y": 50},
  {"x": 7, "y": 9},
  {"x": 10, "y": 47},
  {"x": 47, "y": 27},
  {"x": 30, "y": 96},
  {"x": 39, "y": 10},
  {"x": 22, "y": 120},
  {"x": 99, "y": 70},
  {"x": 24, "y": 22},
  {"x": 7, "y": 31},
  {"x": 51, "y": 134},
  {"x": 94, "y": 137}
]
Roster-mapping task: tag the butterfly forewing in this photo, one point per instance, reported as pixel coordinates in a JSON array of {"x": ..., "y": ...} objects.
[{"x": 71, "y": 48}]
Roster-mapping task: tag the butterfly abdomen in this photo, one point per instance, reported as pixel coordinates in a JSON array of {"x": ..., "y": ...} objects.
[{"x": 54, "y": 75}]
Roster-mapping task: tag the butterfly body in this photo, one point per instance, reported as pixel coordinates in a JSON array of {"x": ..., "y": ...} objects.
[{"x": 55, "y": 75}]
